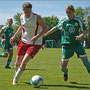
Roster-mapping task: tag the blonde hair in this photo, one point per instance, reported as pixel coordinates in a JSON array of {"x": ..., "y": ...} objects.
[
  {"x": 10, "y": 19},
  {"x": 70, "y": 7}
]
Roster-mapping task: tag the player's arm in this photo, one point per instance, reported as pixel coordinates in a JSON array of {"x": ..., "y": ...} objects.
[
  {"x": 82, "y": 35},
  {"x": 1, "y": 31},
  {"x": 50, "y": 31},
  {"x": 16, "y": 34},
  {"x": 44, "y": 29},
  {"x": 58, "y": 26},
  {"x": 83, "y": 29}
]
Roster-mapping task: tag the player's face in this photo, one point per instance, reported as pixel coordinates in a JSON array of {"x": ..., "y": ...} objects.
[
  {"x": 10, "y": 22},
  {"x": 70, "y": 13},
  {"x": 27, "y": 11}
]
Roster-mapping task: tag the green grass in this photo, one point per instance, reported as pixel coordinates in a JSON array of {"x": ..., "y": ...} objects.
[{"x": 46, "y": 64}]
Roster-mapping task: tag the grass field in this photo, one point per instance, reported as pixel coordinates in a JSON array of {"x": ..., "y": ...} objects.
[{"x": 47, "y": 64}]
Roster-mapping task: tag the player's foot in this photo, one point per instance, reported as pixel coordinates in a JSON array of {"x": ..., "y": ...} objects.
[
  {"x": 65, "y": 76},
  {"x": 15, "y": 82},
  {"x": 7, "y": 67}
]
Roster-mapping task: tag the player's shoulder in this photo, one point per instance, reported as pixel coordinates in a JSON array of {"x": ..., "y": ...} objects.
[
  {"x": 36, "y": 14},
  {"x": 63, "y": 19},
  {"x": 78, "y": 18},
  {"x": 5, "y": 27}
]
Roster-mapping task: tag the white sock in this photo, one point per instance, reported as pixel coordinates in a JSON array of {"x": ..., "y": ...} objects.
[{"x": 18, "y": 74}]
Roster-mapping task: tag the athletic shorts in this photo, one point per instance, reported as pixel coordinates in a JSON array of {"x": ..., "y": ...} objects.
[
  {"x": 6, "y": 46},
  {"x": 30, "y": 49},
  {"x": 68, "y": 51}
]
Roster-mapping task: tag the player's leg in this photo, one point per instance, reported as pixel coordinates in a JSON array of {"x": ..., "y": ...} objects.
[
  {"x": 5, "y": 51},
  {"x": 21, "y": 49},
  {"x": 20, "y": 70},
  {"x": 86, "y": 63},
  {"x": 18, "y": 62},
  {"x": 30, "y": 53},
  {"x": 9, "y": 58},
  {"x": 64, "y": 69},
  {"x": 1, "y": 54},
  {"x": 67, "y": 52},
  {"x": 82, "y": 54}
]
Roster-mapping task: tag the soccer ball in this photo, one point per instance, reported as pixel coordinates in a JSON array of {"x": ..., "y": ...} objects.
[{"x": 36, "y": 81}]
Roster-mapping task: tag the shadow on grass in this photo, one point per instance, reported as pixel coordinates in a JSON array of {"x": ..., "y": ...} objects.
[
  {"x": 79, "y": 83},
  {"x": 35, "y": 69},
  {"x": 69, "y": 86},
  {"x": 45, "y": 86}
]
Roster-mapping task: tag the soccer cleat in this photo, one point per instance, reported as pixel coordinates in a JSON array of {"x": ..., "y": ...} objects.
[
  {"x": 15, "y": 82},
  {"x": 7, "y": 67},
  {"x": 65, "y": 77}
]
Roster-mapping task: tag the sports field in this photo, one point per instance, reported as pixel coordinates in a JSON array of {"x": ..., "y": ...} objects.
[{"x": 47, "y": 64}]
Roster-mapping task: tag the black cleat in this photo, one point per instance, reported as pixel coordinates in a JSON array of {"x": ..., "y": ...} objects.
[
  {"x": 7, "y": 67},
  {"x": 65, "y": 76}
]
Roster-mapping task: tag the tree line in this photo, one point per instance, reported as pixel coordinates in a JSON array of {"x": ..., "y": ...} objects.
[{"x": 53, "y": 20}]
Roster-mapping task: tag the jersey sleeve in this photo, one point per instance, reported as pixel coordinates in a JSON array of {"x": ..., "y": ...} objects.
[
  {"x": 60, "y": 24},
  {"x": 4, "y": 28},
  {"x": 82, "y": 25}
]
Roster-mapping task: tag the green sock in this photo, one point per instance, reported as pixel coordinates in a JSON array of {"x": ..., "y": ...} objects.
[
  {"x": 1, "y": 54},
  {"x": 65, "y": 71},
  {"x": 8, "y": 61},
  {"x": 87, "y": 64}
]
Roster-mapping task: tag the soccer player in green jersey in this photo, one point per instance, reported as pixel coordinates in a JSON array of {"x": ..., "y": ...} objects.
[
  {"x": 72, "y": 30},
  {"x": 5, "y": 34}
]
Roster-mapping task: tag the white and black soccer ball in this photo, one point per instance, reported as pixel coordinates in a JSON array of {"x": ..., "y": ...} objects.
[{"x": 36, "y": 81}]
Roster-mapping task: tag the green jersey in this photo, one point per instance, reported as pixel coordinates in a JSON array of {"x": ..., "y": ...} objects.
[
  {"x": 8, "y": 33},
  {"x": 70, "y": 28}
]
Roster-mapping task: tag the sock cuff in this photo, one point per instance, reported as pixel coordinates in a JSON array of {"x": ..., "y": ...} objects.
[{"x": 65, "y": 71}]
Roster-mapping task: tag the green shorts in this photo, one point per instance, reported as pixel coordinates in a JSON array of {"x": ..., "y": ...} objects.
[
  {"x": 68, "y": 51},
  {"x": 6, "y": 47}
]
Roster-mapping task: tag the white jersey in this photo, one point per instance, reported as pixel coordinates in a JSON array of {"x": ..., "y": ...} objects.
[{"x": 30, "y": 29}]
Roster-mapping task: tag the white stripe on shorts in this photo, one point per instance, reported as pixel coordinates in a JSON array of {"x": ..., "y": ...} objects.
[{"x": 83, "y": 55}]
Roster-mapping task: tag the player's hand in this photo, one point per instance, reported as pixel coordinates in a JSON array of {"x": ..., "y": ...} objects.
[
  {"x": 33, "y": 39},
  {"x": 3, "y": 40},
  {"x": 78, "y": 37}
]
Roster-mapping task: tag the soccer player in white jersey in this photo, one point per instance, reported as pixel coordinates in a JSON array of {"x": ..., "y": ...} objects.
[
  {"x": 71, "y": 39},
  {"x": 32, "y": 28}
]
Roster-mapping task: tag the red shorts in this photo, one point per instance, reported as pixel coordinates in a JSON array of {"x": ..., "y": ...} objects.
[{"x": 30, "y": 49}]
